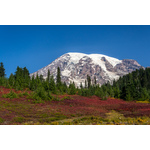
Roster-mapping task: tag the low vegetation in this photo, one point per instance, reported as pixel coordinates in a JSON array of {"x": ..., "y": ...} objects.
[
  {"x": 25, "y": 100},
  {"x": 25, "y": 108}
]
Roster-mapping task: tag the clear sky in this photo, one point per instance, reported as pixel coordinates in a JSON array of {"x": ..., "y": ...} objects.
[{"x": 37, "y": 46}]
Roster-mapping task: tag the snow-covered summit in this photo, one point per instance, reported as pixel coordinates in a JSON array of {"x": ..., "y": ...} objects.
[
  {"x": 75, "y": 57},
  {"x": 76, "y": 66}
]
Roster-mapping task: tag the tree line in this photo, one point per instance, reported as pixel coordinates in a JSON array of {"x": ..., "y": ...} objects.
[{"x": 133, "y": 86}]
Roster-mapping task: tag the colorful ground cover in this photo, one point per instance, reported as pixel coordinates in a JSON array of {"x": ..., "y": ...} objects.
[{"x": 71, "y": 109}]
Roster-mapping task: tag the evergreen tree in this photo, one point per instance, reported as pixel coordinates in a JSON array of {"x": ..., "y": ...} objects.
[
  {"x": 64, "y": 87},
  {"x": 85, "y": 85},
  {"x": 48, "y": 75},
  {"x": 95, "y": 80},
  {"x": 26, "y": 77},
  {"x": 81, "y": 86},
  {"x": 72, "y": 89},
  {"x": 52, "y": 86},
  {"x": 144, "y": 80},
  {"x": 2, "y": 70},
  {"x": 144, "y": 94},
  {"x": 116, "y": 92},
  {"x": 11, "y": 80},
  {"x": 32, "y": 84},
  {"x": 89, "y": 81},
  {"x": 37, "y": 81},
  {"x": 58, "y": 78}
]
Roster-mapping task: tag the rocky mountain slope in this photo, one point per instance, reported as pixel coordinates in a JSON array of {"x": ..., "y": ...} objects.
[{"x": 76, "y": 66}]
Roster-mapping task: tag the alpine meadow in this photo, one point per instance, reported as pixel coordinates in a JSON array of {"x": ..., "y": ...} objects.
[{"x": 78, "y": 87}]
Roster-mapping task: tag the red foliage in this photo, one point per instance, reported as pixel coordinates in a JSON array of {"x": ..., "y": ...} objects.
[{"x": 79, "y": 106}]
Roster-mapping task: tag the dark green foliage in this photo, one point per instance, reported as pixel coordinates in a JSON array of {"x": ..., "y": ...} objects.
[
  {"x": 89, "y": 81},
  {"x": 95, "y": 81},
  {"x": 85, "y": 92},
  {"x": 72, "y": 89},
  {"x": 116, "y": 92},
  {"x": 58, "y": 80},
  {"x": 40, "y": 94},
  {"x": 32, "y": 84},
  {"x": 41, "y": 78},
  {"x": 85, "y": 84},
  {"x": 81, "y": 86},
  {"x": 52, "y": 85},
  {"x": 22, "y": 78},
  {"x": 133, "y": 86},
  {"x": 64, "y": 87},
  {"x": 48, "y": 76},
  {"x": 11, "y": 80},
  {"x": 3, "y": 81},
  {"x": 2, "y": 70}
]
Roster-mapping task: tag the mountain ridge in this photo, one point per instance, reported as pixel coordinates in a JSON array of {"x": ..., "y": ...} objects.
[{"x": 76, "y": 66}]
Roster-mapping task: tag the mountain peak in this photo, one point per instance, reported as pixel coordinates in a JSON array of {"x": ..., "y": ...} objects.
[{"x": 76, "y": 66}]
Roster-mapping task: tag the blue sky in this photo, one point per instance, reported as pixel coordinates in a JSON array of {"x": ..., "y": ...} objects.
[{"x": 37, "y": 46}]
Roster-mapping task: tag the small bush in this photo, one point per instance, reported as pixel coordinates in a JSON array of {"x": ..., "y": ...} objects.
[
  {"x": 66, "y": 98},
  {"x": 20, "y": 94},
  {"x": 10, "y": 95},
  {"x": 40, "y": 92},
  {"x": 25, "y": 93},
  {"x": 40, "y": 95}
]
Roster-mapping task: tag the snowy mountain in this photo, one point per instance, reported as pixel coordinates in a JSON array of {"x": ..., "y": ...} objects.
[{"x": 76, "y": 66}]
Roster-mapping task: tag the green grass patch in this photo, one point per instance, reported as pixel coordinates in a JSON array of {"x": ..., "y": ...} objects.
[
  {"x": 51, "y": 119},
  {"x": 19, "y": 119},
  {"x": 1, "y": 120}
]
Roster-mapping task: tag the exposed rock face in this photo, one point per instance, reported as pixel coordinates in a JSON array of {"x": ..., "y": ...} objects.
[{"x": 76, "y": 66}]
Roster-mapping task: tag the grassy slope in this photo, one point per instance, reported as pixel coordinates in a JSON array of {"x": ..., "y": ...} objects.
[{"x": 74, "y": 110}]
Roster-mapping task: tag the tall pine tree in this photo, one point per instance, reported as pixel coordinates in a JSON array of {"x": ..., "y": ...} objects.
[
  {"x": 58, "y": 78},
  {"x": 2, "y": 70}
]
